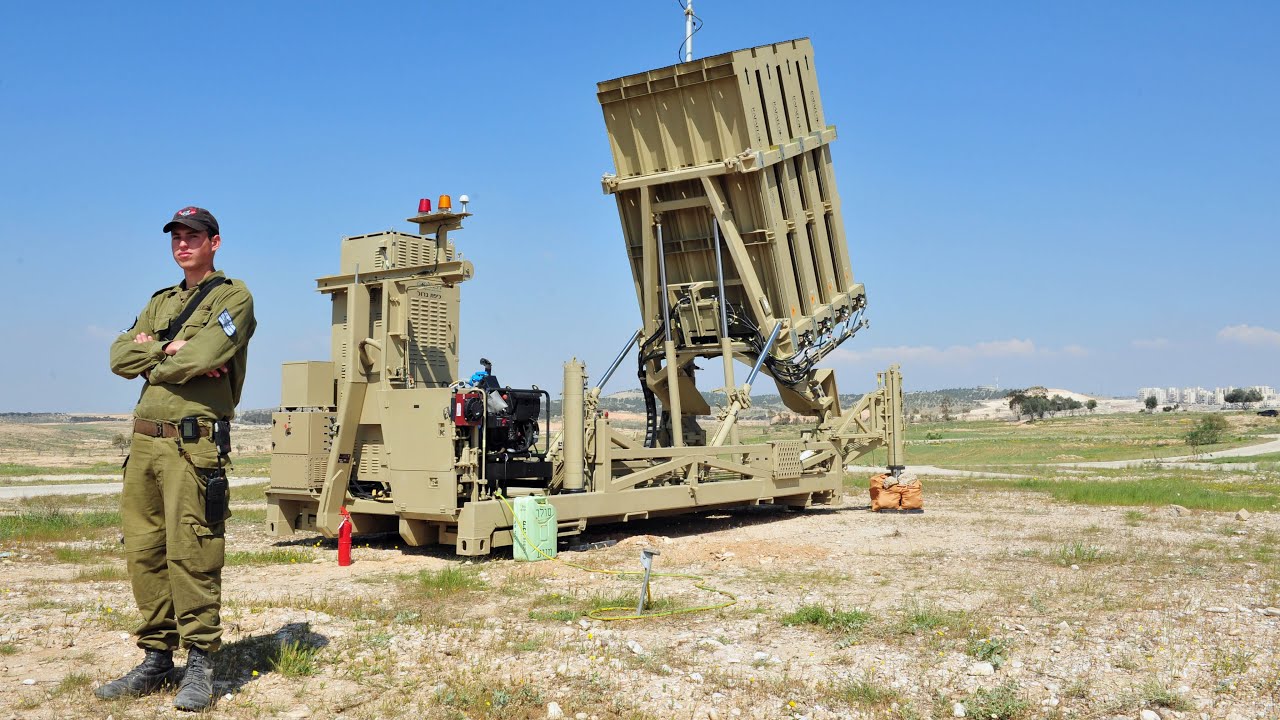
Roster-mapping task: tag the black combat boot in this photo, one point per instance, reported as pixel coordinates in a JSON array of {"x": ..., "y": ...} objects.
[
  {"x": 145, "y": 679},
  {"x": 196, "y": 691}
]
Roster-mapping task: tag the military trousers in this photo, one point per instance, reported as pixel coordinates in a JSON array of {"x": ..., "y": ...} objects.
[{"x": 174, "y": 554}]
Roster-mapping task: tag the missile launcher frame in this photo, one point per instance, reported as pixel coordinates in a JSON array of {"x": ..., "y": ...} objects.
[{"x": 733, "y": 229}]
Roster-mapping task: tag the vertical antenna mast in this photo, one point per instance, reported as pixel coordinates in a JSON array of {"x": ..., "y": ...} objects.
[{"x": 688, "y": 31}]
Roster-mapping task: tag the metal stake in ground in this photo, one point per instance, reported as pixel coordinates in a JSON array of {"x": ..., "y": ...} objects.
[{"x": 646, "y": 559}]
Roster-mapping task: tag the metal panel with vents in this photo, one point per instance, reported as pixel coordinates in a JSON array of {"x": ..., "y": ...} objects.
[
  {"x": 368, "y": 458},
  {"x": 433, "y": 334}
]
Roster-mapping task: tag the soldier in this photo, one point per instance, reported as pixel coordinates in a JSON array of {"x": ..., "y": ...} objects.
[{"x": 189, "y": 344}]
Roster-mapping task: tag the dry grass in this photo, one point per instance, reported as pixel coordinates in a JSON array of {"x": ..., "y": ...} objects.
[{"x": 414, "y": 633}]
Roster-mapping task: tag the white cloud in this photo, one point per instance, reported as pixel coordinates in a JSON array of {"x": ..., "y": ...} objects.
[
  {"x": 1000, "y": 348},
  {"x": 1151, "y": 344},
  {"x": 956, "y": 354},
  {"x": 930, "y": 355},
  {"x": 1249, "y": 335}
]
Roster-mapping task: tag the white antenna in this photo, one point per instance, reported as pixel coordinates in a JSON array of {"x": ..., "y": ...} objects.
[{"x": 688, "y": 31}]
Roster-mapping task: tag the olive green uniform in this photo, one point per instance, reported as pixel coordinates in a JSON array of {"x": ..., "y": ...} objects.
[{"x": 174, "y": 554}]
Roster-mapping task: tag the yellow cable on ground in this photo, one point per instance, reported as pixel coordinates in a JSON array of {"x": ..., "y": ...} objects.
[{"x": 629, "y": 613}]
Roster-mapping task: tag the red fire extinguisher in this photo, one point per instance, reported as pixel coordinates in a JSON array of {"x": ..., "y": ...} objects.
[{"x": 344, "y": 539}]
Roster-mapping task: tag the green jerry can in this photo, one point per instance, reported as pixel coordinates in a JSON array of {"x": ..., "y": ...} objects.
[{"x": 536, "y": 516}]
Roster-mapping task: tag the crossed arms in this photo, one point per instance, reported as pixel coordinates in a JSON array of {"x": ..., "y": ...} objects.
[{"x": 205, "y": 353}]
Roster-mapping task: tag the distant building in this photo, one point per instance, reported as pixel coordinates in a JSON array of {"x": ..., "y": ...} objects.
[
  {"x": 1196, "y": 396},
  {"x": 1200, "y": 396},
  {"x": 1157, "y": 393}
]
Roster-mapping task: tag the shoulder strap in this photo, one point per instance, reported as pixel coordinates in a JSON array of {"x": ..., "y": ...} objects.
[{"x": 194, "y": 303}]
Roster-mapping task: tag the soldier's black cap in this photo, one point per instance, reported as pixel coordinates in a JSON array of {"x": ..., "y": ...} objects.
[{"x": 194, "y": 218}]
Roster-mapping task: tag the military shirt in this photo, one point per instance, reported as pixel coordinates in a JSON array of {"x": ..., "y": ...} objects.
[{"x": 217, "y": 334}]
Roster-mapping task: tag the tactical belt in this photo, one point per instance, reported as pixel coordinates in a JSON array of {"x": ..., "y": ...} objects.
[{"x": 152, "y": 428}]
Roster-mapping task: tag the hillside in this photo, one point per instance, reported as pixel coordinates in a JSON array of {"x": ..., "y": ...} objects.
[{"x": 964, "y": 403}]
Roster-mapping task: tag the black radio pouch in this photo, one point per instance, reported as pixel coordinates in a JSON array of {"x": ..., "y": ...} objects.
[
  {"x": 215, "y": 497},
  {"x": 222, "y": 437}
]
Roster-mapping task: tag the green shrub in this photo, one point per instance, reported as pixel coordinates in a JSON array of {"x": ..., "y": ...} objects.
[
  {"x": 834, "y": 620},
  {"x": 295, "y": 659},
  {"x": 999, "y": 703},
  {"x": 1078, "y": 553},
  {"x": 449, "y": 581},
  {"x": 992, "y": 649},
  {"x": 1209, "y": 431},
  {"x": 866, "y": 693}
]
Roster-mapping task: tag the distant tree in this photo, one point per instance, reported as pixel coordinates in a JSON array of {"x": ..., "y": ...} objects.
[
  {"x": 1035, "y": 406},
  {"x": 1243, "y": 397},
  {"x": 1015, "y": 398},
  {"x": 1207, "y": 432},
  {"x": 1058, "y": 404},
  {"x": 258, "y": 417},
  {"x": 945, "y": 408},
  {"x": 1151, "y": 402},
  {"x": 1033, "y": 403},
  {"x": 1091, "y": 405},
  {"x": 120, "y": 442}
]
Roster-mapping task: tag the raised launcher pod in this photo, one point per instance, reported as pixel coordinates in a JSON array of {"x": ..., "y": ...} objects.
[{"x": 724, "y": 177}]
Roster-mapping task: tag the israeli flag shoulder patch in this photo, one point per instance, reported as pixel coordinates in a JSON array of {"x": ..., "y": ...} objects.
[{"x": 228, "y": 327}]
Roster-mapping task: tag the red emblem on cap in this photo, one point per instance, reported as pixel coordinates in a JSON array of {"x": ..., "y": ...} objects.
[{"x": 188, "y": 211}]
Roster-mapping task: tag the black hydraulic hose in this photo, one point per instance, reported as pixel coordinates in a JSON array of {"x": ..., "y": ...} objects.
[
  {"x": 650, "y": 411},
  {"x": 643, "y": 356}
]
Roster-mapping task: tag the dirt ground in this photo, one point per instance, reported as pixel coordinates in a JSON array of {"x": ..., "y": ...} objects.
[
  {"x": 73, "y": 445},
  {"x": 1081, "y": 612}
]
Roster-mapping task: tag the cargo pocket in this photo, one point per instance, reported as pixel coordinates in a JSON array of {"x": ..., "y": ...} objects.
[
  {"x": 201, "y": 547},
  {"x": 202, "y": 466}
]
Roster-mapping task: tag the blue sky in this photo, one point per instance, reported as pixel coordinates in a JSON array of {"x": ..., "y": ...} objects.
[{"x": 1081, "y": 195}]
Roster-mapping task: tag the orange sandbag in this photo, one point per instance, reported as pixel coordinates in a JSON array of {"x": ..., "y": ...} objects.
[
  {"x": 882, "y": 498},
  {"x": 911, "y": 494},
  {"x": 904, "y": 495}
]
